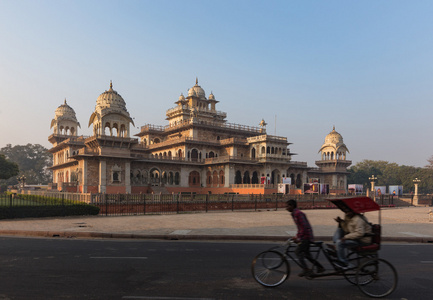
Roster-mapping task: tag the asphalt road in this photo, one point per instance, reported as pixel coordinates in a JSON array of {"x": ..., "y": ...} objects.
[{"x": 37, "y": 268}]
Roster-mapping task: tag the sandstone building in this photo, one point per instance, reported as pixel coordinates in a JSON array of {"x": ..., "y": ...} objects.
[{"x": 197, "y": 151}]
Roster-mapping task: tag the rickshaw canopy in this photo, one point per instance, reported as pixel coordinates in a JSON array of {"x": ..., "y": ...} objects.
[{"x": 356, "y": 204}]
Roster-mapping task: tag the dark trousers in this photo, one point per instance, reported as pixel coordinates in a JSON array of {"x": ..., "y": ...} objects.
[{"x": 302, "y": 252}]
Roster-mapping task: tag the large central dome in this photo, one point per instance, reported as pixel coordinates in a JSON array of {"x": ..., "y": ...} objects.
[{"x": 110, "y": 98}]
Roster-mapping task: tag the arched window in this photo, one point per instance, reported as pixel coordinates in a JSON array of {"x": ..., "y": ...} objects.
[
  {"x": 194, "y": 179},
  {"x": 176, "y": 178},
  {"x": 222, "y": 180},
  {"x": 263, "y": 150},
  {"x": 268, "y": 150},
  {"x": 298, "y": 181},
  {"x": 215, "y": 178},
  {"x": 208, "y": 178},
  {"x": 194, "y": 155},
  {"x": 253, "y": 153},
  {"x": 211, "y": 154}
]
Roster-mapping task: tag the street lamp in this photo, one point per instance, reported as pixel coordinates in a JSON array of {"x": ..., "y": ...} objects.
[
  {"x": 416, "y": 181},
  {"x": 372, "y": 179},
  {"x": 22, "y": 181}
]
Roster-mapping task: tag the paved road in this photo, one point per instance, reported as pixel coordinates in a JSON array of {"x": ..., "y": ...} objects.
[{"x": 39, "y": 268}]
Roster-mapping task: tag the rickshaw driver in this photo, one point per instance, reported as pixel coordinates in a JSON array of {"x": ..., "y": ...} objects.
[
  {"x": 304, "y": 237},
  {"x": 351, "y": 232}
]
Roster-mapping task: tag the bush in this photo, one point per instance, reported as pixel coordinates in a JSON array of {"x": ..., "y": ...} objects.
[{"x": 42, "y": 211}]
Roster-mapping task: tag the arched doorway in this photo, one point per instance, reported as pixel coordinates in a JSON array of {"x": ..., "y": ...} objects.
[
  {"x": 238, "y": 177},
  {"x": 154, "y": 177},
  {"x": 255, "y": 179},
  {"x": 246, "y": 179}
]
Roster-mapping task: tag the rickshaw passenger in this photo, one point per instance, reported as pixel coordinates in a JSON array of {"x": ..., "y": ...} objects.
[
  {"x": 304, "y": 237},
  {"x": 351, "y": 232}
]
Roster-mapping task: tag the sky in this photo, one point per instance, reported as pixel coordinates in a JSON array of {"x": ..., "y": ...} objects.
[{"x": 365, "y": 67}]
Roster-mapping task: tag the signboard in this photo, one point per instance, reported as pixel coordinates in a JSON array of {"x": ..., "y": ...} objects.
[
  {"x": 355, "y": 189},
  {"x": 324, "y": 189},
  {"x": 283, "y": 188},
  {"x": 287, "y": 180},
  {"x": 311, "y": 188},
  {"x": 396, "y": 190},
  {"x": 380, "y": 190}
]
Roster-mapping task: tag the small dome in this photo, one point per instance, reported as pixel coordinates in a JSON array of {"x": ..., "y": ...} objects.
[
  {"x": 197, "y": 91},
  {"x": 65, "y": 112},
  {"x": 110, "y": 98},
  {"x": 211, "y": 96},
  {"x": 334, "y": 140},
  {"x": 333, "y": 137},
  {"x": 181, "y": 97}
]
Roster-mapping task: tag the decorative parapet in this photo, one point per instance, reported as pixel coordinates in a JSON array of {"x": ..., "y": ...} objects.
[
  {"x": 267, "y": 138},
  {"x": 161, "y": 129}
]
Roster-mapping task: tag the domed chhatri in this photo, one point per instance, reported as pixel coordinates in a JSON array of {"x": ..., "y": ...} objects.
[
  {"x": 110, "y": 98},
  {"x": 65, "y": 120},
  {"x": 197, "y": 91},
  {"x": 334, "y": 147},
  {"x": 111, "y": 116}
]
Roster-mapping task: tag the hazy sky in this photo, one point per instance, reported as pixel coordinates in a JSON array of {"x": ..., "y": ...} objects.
[{"x": 303, "y": 66}]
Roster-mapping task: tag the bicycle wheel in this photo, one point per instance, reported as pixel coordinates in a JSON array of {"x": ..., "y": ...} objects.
[
  {"x": 350, "y": 275},
  {"x": 382, "y": 278},
  {"x": 270, "y": 268}
]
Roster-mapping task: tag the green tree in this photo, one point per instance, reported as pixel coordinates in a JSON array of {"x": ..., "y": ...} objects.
[
  {"x": 8, "y": 169},
  {"x": 392, "y": 174},
  {"x": 33, "y": 161}
]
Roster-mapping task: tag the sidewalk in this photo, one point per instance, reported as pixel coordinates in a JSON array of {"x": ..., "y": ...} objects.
[{"x": 408, "y": 224}]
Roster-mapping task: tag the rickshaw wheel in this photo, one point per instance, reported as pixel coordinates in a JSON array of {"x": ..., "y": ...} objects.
[
  {"x": 270, "y": 268},
  {"x": 357, "y": 260},
  {"x": 382, "y": 278}
]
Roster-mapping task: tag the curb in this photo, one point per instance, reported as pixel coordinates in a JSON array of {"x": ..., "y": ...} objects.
[{"x": 106, "y": 235}]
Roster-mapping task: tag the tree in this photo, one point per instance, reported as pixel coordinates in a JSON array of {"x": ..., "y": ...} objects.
[
  {"x": 8, "y": 169},
  {"x": 392, "y": 174},
  {"x": 33, "y": 162}
]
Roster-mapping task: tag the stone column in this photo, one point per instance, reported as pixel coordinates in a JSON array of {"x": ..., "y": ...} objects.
[
  {"x": 102, "y": 188},
  {"x": 84, "y": 176},
  {"x": 128, "y": 177},
  {"x": 229, "y": 174}
]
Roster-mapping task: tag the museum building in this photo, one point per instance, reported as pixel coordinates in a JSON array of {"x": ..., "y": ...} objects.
[{"x": 198, "y": 151}]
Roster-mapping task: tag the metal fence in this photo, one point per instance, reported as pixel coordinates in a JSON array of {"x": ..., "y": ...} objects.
[{"x": 142, "y": 204}]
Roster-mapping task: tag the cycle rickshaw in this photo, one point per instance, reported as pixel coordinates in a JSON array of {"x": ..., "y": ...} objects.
[{"x": 374, "y": 276}]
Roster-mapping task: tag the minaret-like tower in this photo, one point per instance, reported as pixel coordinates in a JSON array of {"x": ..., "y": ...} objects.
[
  {"x": 333, "y": 161},
  {"x": 111, "y": 118},
  {"x": 65, "y": 121}
]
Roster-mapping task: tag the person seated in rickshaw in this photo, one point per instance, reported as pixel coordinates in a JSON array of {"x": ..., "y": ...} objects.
[{"x": 352, "y": 231}]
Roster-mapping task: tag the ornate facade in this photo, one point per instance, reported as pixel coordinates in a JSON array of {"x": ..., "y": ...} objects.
[{"x": 197, "y": 151}]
